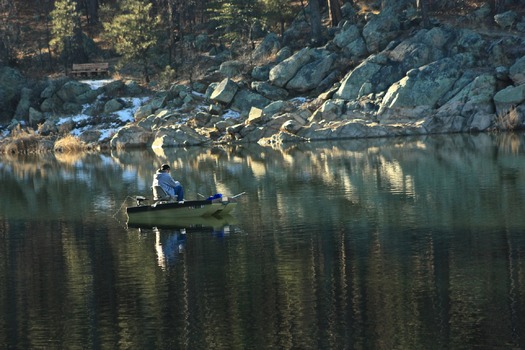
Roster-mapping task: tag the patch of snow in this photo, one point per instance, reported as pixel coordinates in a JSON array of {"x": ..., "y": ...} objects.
[
  {"x": 299, "y": 100},
  {"x": 75, "y": 118},
  {"x": 125, "y": 115},
  {"x": 198, "y": 94},
  {"x": 106, "y": 134},
  {"x": 95, "y": 84},
  {"x": 230, "y": 114}
]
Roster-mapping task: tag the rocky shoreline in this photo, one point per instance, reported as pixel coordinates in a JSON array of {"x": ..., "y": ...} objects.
[{"x": 383, "y": 75}]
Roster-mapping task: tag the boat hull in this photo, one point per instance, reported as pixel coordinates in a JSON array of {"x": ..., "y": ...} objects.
[
  {"x": 164, "y": 212},
  {"x": 217, "y": 222}
]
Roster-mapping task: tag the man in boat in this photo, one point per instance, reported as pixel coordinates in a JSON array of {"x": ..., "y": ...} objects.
[{"x": 163, "y": 179}]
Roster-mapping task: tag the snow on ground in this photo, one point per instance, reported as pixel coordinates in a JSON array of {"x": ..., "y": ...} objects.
[
  {"x": 95, "y": 84},
  {"x": 231, "y": 114},
  {"x": 122, "y": 116}
]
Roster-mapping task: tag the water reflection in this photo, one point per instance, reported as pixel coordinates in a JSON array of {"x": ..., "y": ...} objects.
[
  {"x": 412, "y": 243},
  {"x": 169, "y": 246},
  {"x": 171, "y": 236}
]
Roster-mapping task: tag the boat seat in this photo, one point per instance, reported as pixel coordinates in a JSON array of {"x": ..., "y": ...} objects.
[{"x": 160, "y": 195}]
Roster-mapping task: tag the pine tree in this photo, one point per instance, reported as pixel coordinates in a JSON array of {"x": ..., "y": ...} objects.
[
  {"x": 64, "y": 24},
  {"x": 8, "y": 31},
  {"x": 133, "y": 32},
  {"x": 235, "y": 17},
  {"x": 279, "y": 11}
]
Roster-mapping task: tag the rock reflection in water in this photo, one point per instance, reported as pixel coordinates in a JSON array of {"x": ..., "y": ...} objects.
[{"x": 407, "y": 243}]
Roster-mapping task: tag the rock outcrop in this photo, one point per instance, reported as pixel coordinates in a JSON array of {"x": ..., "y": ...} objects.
[{"x": 379, "y": 75}]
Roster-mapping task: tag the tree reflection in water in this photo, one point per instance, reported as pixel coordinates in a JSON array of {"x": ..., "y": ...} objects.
[{"x": 409, "y": 243}]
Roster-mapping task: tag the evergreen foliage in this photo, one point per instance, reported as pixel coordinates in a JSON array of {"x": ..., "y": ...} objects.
[
  {"x": 279, "y": 12},
  {"x": 133, "y": 31},
  {"x": 64, "y": 20},
  {"x": 235, "y": 17},
  {"x": 132, "y": 27},
  {"x": 8, "y": 31}
]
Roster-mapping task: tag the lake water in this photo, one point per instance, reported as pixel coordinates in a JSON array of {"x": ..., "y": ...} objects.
[{"x": 398, "y": 243}]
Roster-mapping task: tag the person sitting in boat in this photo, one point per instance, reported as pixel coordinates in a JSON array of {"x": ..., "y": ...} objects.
[{"x": 163, "y": 179}]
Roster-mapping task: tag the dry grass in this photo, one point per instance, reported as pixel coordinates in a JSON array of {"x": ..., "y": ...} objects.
[
  {"x": 508, "y": 121},
  {"x": 27, "y": 141},
  {"x": 21, "y": 141},
  {"x": 69, "y": 144}
]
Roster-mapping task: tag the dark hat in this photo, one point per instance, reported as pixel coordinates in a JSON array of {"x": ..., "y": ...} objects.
[{"x": 165, "y": 167}]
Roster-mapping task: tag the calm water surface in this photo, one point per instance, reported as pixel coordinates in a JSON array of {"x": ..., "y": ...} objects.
[{"x": 412, "y": 243}]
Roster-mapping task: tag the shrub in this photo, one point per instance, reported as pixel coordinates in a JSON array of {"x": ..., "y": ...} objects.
[
  {"x": 69, "y": 144},
  {"x": 21, "y": 141},
  {"x": 509, "y": 120}
]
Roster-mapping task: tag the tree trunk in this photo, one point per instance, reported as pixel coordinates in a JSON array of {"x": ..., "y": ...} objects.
[
  {"x": 92, "y": 11},
  {"x": 334, "y": 7},
  {"x": 315, "y": 18},
  {"x": 145, "y": 70},
  {"x": 422, "y": 6}
]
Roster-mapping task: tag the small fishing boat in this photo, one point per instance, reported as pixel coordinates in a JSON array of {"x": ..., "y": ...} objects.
[
  {"x": 216, "y": 222},
  {"x": 164, "y": 209}
]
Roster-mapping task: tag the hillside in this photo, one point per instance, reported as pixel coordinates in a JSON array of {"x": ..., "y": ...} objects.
[
  {"x": 379, "y": 73},
  {"x": 34, "y": 58}
]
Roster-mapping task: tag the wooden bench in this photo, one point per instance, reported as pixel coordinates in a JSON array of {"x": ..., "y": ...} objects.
[{"x": 89, "y": 69}]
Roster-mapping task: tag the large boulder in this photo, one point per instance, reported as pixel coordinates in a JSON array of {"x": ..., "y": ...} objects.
[
  {"x": 87, "y": 97},
  {"x": 296, "y": 34},
  {"x": 244, "y": 100},
  {"x": 35, "y": 116},
  {"x": 178, "y": 136},
  {"x": 231, "y": 68},
  {"x": 269, "y": 46},
  {"x": 24, "y": 104},
  {"x": 311, "y": 74},
  {"x": 115, "y": 88},
  {"x": 131, "y": 136},
  {"x": 225, "y": 91},
  {"x": 350, "y": 41},
  {"x": 52, "y": 87},
  {"x": 424, "y": 86},
  {"x": 424, "y": 47},
  {"x": 354, "y": 128},
  {"x": 269, "y": 91},
  {"x": 113, "y": 105},
  {"x": 517, "y": 71},
  {"x": 509, "y": 98},
  {"x": 279, "y": 107},
  {"x": 348, "y": 33},
  {"x": 70, "y": 90},
  {"x": 352, "y": 82},
  {"x": 11, "y": 83},
  {"x": 262, "y": 73},
  {"x": 506, "y": 19},
  {"x": 143, "y": 112},
  {"x": 52, "y": 104},
  {"x": 381, "y": 29},
  {"x": 286, "y": 70},
  {"x": 329, "y": 111},
  {"x": 472, "y": 105},
  {"x": 469, "y": 41}
]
